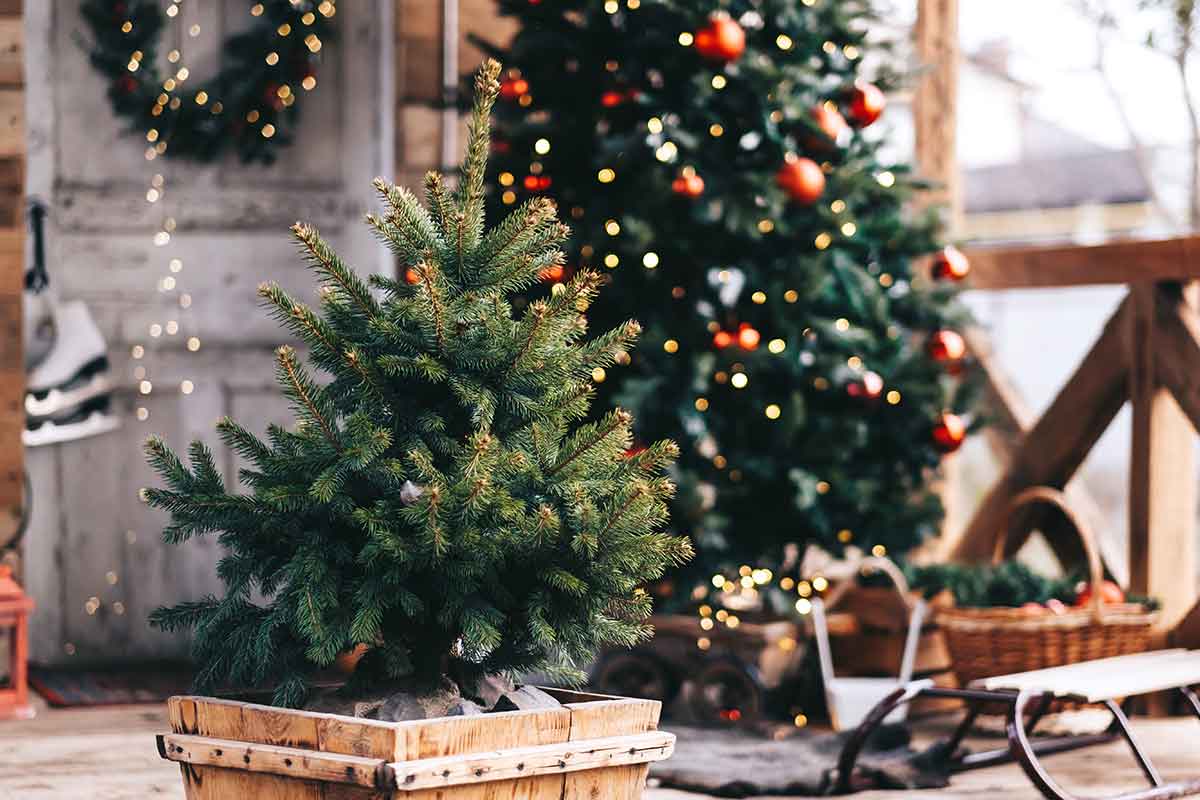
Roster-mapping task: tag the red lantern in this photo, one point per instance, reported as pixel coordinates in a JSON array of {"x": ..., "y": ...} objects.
[
  {"x": 747, "y": 337},
  {"x": 949, "y": 432},
  {"x": 722, "y": 339},
  {"x": 15, "y": 608},
  {"x": 866, "y": 104},
  {"x": 950, "y": 264},
  {"x": 946, "y": 346},
  {"x": 801, "y": 179},
  {"x": 722, "y": 40}
]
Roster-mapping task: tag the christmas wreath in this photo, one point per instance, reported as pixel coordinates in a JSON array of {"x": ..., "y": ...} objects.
[{"x": 250, "y": 105}]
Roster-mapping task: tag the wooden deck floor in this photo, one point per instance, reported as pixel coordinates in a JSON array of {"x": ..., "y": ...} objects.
[{"x": 109, "y": 754}]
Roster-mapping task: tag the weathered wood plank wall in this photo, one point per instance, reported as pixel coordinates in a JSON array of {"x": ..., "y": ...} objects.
[
  {"x": 12, "y": 264},
  {"x": 90, "y": 536}
]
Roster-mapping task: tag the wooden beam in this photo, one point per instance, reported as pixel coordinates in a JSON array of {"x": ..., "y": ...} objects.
[
  {"x": 935, "y": 105},
  {"x": 1076, "y": 265},
  {"x": 12, "y": 376},
  {"x": 1010, "y": 421},
  {"x": 1177, "y": 351},
  {"x": 1056, "y": 445},
  {"x": 1162, "y": 470}
]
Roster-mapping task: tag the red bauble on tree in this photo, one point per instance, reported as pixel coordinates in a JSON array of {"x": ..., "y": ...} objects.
[
  {"x": 830, "y": 121},
  {"x": 949, "y": 432},
  {"x": 411, "y": 276},
  {"x": 612, "y": 98},
  {"x": 801, "y": 179},
  {"x": 721, "y": 40},
  {"x": 552, "y": 274},
  {"x": 868, "y": 386},
  {"x": 688, "y": 184},
  {"x": 950, "y": 264},
  {"x": 946, "y": 346},
  {"x": 866, "y": 104},
  {"x": 127, "y": 84},
  {"x": 747, "y": 337},
  {"x": 513, "y": 88}
]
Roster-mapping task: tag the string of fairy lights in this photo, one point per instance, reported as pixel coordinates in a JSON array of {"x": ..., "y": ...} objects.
[
  {"x": 173, "y": 96},
  {"x": 168, "y": 279}
]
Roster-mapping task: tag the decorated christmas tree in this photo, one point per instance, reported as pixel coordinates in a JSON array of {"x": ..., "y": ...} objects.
[
  {"x": 722, "y": 164},
  {"x": 440, "y": 502}
]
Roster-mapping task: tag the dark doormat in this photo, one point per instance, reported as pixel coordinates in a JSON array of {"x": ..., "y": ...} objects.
[
  {"x": 142, "y": 683},
  {"x": 726, "y": 763}
]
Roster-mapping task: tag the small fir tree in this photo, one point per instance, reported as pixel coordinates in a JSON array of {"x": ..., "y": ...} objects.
[{"x": 440, "y": 499}]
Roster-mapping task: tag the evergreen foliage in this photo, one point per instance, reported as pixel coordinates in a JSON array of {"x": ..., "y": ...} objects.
[
  {"x": 440, "y": 499},
  {"x": 610, "y": 106}
]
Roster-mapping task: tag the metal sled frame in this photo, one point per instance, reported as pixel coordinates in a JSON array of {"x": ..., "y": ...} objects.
[{"x": 1026, "y": 707}]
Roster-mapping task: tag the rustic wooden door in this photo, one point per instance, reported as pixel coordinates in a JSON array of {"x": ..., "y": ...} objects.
[{"x": 94, "y": 562}]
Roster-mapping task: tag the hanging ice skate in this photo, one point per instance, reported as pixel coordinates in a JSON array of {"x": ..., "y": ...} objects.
[
  {"x": 68, "y": 394},
  {"x": 68, "y": 386}
]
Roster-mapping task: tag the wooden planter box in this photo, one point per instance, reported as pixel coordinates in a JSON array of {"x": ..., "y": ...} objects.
[{"x": 596, "y": 746}]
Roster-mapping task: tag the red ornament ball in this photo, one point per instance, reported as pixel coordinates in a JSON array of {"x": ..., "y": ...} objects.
[
  {"x": 411, "y": 276},
  {"x": 747, "y": 337},
  {"x": 552, "y": 274},
  {"x": 512, "y": 88},
  {"x": 722, "y": 339},
  {"x": 949, "y": 432},
  {"x": 868, "y": 387},
  {"x": 688, "y": 185},
  {"x": 127, "y": 84},
  {"x": 950, "y": 264},
  {"x": 612, "y": 98},
  {"x": 722, "y": 40},
  {"x": 829, "y": 120},
  {"x": 801, "y": 179},
  {"x": 866, "y": 104},
  {"x": 946, "y": 346}
]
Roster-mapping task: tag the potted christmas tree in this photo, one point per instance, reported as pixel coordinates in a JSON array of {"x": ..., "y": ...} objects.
[{"x": 440, "y": 512}]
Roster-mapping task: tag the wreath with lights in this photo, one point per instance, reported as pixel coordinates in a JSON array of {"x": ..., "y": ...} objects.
[{"x": 250, "y": 106}]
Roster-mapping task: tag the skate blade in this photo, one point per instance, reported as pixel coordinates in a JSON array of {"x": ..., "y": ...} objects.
[
  {"x": 93, "y": 424},
  {"x": 56, "y": 401}
]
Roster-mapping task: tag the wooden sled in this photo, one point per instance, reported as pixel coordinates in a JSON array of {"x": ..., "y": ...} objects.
[{"x": 1109, "y": 682}]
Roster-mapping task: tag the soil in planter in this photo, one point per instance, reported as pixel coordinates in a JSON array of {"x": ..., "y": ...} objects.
[{"x": 401, "y": 701}]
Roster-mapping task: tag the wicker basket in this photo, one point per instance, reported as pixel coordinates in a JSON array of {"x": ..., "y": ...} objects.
[{"x": 985, "y": 642}]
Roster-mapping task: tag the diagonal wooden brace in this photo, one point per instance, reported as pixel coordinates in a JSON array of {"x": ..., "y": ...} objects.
[{"x": 1052, "y": 450}]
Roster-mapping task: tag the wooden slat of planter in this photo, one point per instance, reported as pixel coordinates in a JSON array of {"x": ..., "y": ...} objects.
[
  {"x": 291, "y": 761},
  {"x": 519, "y": 762},
  {"x": 229, "y": 719},
  {"x": 595, "y": 719}
]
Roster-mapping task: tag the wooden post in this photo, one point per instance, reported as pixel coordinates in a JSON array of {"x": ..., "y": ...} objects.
[
  {"x": 12, "y": 266},
  {"x": 935, "y": 105},
  {"x": 1162, "y": 482}
]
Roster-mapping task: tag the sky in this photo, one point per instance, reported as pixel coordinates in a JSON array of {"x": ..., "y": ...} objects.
[{"x": 1057, "y": 55}]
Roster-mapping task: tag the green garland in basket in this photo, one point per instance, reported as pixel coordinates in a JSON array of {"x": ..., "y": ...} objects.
[{"x": 251, "y": 105}]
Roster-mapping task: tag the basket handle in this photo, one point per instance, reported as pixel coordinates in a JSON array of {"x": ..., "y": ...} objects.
[
  {"x": 866, "y": 566},
  {"x": 1054, "y": 497}
]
